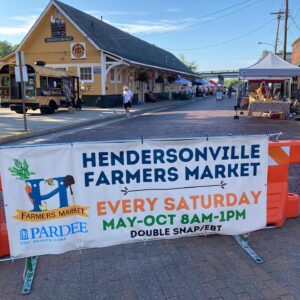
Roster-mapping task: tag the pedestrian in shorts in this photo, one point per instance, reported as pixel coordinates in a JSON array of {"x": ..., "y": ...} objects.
[{"x": 127, "y": 98}]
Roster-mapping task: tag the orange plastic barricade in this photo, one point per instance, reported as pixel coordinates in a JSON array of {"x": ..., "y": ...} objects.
[
  {"x": 4, "y": 245},
  {"x": 281, "y": 204}
]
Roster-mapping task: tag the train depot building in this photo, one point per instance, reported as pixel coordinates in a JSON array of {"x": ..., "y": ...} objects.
[{"x": 104, "y": 57}]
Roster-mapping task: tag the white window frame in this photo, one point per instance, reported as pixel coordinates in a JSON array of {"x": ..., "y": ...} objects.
[
  {"x": 115, "y": 71},
  {"x": 79, "y": 74}
]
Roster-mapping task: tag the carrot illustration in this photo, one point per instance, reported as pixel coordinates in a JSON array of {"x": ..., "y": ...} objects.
[
  {"x": 21, "y": 171},
  {"x": 28, "y": 190}
]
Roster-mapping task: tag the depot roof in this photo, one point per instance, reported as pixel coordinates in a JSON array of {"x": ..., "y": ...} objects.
[{"x": 120, "y": 43}]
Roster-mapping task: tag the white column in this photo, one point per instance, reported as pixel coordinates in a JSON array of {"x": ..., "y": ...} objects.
[{"x": 103, "y": 73}]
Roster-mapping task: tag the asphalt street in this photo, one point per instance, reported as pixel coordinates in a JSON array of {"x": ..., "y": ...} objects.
[{"x": 212, "y": 267}]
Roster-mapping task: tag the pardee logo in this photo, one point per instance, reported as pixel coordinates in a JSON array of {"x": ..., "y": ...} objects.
[{"x": 50, "y": 232}]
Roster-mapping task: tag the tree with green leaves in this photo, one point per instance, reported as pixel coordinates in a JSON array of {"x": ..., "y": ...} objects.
[
  {"x": 190, "y": 63},
  {"x": 264, "y": 54},
  {"x": 6, "y": 48},
  {"x": 228, "y": 82}
]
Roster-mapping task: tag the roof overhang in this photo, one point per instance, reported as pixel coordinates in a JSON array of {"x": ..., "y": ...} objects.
[
  {"x": 161, "y": 68},
  {"x": 7, "y": 57}
]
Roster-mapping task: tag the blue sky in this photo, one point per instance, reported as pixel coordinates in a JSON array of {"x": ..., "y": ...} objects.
[{"x": 209, "y": 32}]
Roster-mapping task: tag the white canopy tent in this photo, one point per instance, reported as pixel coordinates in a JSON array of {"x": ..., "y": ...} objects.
[
  {"x": 272, "y": 66},
  {"x": 269, "y": 67}
]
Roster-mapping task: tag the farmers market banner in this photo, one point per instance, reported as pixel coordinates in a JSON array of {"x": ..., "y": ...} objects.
[{"x": 83, "y": 195}]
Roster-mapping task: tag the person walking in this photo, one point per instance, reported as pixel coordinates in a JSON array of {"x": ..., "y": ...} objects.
[
  {"x": 67, "y": 93},
  {"x": 229, "y": 91},
  {"x": 127, "y": 98}
]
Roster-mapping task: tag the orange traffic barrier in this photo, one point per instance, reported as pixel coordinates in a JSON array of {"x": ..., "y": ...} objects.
[
  {"x": 281, "y": 204},
  {"x": 293, "y": 205}
]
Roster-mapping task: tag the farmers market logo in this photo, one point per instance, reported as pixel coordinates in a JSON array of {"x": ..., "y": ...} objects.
[
  {"x": 78, "y": 51},
  {"x": 40, "y": 211}
]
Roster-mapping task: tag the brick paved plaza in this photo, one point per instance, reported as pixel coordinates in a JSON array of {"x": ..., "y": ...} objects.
[{"x": 212, "y": 267}]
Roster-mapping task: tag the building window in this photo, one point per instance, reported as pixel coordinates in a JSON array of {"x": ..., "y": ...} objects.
[
  {"x": 86, "y": 74},
  {"x": 115, "y": 75}
]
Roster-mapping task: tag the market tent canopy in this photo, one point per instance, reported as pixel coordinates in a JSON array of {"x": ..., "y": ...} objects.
[
  {"x": 206, "y": 83},
  {"x": 197, "y": 81},
  {"x": 213, "y": 82},
  {"x": 270, "y": 66},
  {"x": 182, "y": 81}
]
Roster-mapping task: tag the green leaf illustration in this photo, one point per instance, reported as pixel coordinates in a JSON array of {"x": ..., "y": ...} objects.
[{"x": 21, "y": 170}]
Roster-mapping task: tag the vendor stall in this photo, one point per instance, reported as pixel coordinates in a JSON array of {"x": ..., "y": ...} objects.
[
  {"x": 272, "y": 107},
  {"x": 268, "y": 69}
]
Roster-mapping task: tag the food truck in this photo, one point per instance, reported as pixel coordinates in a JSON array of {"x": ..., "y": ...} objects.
[{"x": 44, "y": 89}]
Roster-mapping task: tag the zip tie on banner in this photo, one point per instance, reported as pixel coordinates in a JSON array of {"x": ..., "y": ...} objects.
[
  {"x": 142, "y": 140},
  {"x": 11, "y": 259},
  {"x": 276, "y": 135},
  {"x": 207, "y": 137}
]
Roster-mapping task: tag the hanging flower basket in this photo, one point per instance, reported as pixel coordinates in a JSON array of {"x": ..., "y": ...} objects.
[
  {"x": 142, "y": 77},
  {"x": 172, "y": 78},
  {"x": 159, "y": 79}
]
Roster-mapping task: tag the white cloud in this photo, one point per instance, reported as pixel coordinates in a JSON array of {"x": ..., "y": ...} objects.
[
  {"x": 172, "y": 10},
  {"x": 13, "y": 30},
  {"x": 147, "y": 27},
  {"x": 98, "y": 13},
  {"x": 25, "y": 23}
]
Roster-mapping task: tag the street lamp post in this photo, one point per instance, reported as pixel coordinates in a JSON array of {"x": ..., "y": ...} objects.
[
  {"x": 271, "y": 44},
  {"x": 263, "y": 43}
]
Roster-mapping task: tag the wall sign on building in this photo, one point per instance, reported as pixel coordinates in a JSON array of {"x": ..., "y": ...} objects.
[
  {"x": 78, "y": 51},
  {"x": 58, "y": 29},
  {"x": 97, "y": 70}
]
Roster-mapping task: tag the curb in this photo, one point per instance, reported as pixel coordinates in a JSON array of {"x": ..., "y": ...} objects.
[{"x": 25, "y": 135}]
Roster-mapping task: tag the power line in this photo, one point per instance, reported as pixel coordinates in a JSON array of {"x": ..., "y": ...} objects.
[
  {"x": 225, "y": 42},
  {"x": 295, "y": 23},
  {"x": 204, "y": 16},
  {"x": 294, "y": 17},
  {"x": 170, "y": 26}
]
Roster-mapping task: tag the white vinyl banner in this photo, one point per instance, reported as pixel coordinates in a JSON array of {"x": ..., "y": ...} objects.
[{"x": 64, "y": 197}]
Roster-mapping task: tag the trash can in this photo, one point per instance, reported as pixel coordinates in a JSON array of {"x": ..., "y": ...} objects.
[{"x": 219, "y": 95}]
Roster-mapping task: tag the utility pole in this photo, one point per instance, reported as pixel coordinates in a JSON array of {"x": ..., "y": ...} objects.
[
  {"x": 286, "y": 16},
  {"x": 21, "y": 73},
  {"x": 279, "y": 14}
]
